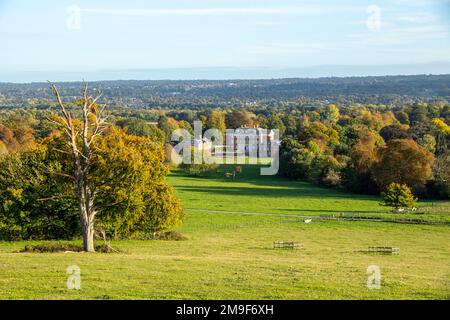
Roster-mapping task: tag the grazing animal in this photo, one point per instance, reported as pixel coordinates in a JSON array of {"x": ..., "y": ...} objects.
[
  {"x": 233, "y": 173},
  {"x": 228, "y": 175}
]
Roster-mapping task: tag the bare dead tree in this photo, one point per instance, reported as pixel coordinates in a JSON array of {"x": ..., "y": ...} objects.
[{"x": 79, "y": 141}]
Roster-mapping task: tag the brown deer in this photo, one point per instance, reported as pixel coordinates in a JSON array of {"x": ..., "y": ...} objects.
[
  {"x": 228, "y": 175},
  {"x": 233, "y": 173}
]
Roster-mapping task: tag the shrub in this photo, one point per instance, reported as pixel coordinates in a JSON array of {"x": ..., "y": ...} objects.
[
  {"x": 399, "y": 196},
  {"x": 52, "y": 247},
  {"x": 199, "y": 169},
  {"x": 170, "y": 235},
  {"x": 167, "y": 235},
  {"x": 332, "y": 179}
]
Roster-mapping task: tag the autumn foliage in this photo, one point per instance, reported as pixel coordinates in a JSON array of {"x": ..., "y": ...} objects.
[{"x": 403, "y": 161}]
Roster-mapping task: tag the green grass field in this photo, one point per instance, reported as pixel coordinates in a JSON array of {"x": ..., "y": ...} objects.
[
  {"x": 231, "y": 227},
  {"x": 253, "y": 193}
]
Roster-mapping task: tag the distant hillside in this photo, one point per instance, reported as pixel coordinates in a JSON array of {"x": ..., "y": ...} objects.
[{"x": 210, "y": 93}]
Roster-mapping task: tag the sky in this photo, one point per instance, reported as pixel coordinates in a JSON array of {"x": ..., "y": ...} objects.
[{"x": 60, "y": 35}]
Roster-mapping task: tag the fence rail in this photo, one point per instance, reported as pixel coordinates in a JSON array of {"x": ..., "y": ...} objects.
[
  {"x": 287, "y": 245},
  {"x": 383, "y": 250}
]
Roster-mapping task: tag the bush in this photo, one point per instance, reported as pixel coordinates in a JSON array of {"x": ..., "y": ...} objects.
[
  {"x": 199, "y": 169},
  {"x": 167, "y": 235},
  {"x": 331, "y": 179},
  {"x": 52, "y": 247},
  {"x": 398, "y": 196},
  {"x": 170, "y": 235}
]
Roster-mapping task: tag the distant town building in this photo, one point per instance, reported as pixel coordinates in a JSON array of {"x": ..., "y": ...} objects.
[
  {"x": 202, "y": 144},
  {"x": 247, "y": 142}
]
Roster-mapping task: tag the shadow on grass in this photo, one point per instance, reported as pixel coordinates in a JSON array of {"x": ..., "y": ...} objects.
[
  {"x": 294, "y": 190},
  {"x": 267, "y": 186},
  {"x": 333, "y": 211}
]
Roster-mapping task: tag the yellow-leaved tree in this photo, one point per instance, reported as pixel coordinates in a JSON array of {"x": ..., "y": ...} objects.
[
  {"x": 129, "y": 178},
  {"x": 118, "y": 179}
]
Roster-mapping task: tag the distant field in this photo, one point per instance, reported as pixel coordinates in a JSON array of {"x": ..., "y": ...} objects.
[{"x": 230, "y": 255}]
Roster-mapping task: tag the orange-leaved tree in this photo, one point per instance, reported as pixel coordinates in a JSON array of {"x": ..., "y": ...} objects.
[{"x": 403, "y": 161}]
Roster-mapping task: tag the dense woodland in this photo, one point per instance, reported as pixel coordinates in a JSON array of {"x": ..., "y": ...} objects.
[
  {"x": 277, "y": 93},
  {"x": 356, "y": 134}
]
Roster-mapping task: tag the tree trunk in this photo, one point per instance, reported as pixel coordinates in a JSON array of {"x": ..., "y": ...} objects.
[
  {"x": 88, "y": 239},
  {"x": 87, "y": 220},
  {"x": 88, "y": 236}
]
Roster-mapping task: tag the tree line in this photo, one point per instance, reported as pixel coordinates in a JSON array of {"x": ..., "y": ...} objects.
[{"x": 361, "y": 149}]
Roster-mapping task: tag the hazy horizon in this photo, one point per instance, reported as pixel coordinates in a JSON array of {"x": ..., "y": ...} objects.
[{"x": 224, "y": 73}]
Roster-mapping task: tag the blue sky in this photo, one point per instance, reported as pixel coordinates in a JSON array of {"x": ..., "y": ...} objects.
[{"x": 35, "y": 35}]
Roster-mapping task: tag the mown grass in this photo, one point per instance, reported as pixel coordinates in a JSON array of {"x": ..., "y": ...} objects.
[
  {"x": 253, "y": 193},
  {"x": 231, "y": 256},
  {"x": 238, "y": 262}
]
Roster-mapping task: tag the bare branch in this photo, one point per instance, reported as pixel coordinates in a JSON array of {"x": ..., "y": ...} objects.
[
  {"x": 65, "y": 124},
  {"x": 60, "y": 103},
  {"x": 85, "y": 91},
  {"x": 94, "y": 100}
]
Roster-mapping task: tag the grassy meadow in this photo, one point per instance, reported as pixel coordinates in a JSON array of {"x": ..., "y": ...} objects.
[
  {"x": 252, "y": 193},
  {"x": 231, "y": 227}
]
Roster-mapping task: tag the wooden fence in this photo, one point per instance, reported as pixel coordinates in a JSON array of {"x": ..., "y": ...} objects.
[{"x": 287, "y": 245}]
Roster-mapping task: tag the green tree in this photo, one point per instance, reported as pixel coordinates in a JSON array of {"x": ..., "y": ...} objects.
[
  {"x": 402, "y": 117},
  {"x": 331, "y": 113},
  {"x": 291, "y": 123},
  {"x": 428, "y": 142},
  {"x": 216, "y": 120},
  {"x": 275, "y": 122},
  {"x": 35, "y": 201},
  {"x": 139, "y": 127},
  {"x": 443, "y": 133},
  {"x": 398, "y": 196},
  {"x": 295, "y": 159}
]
